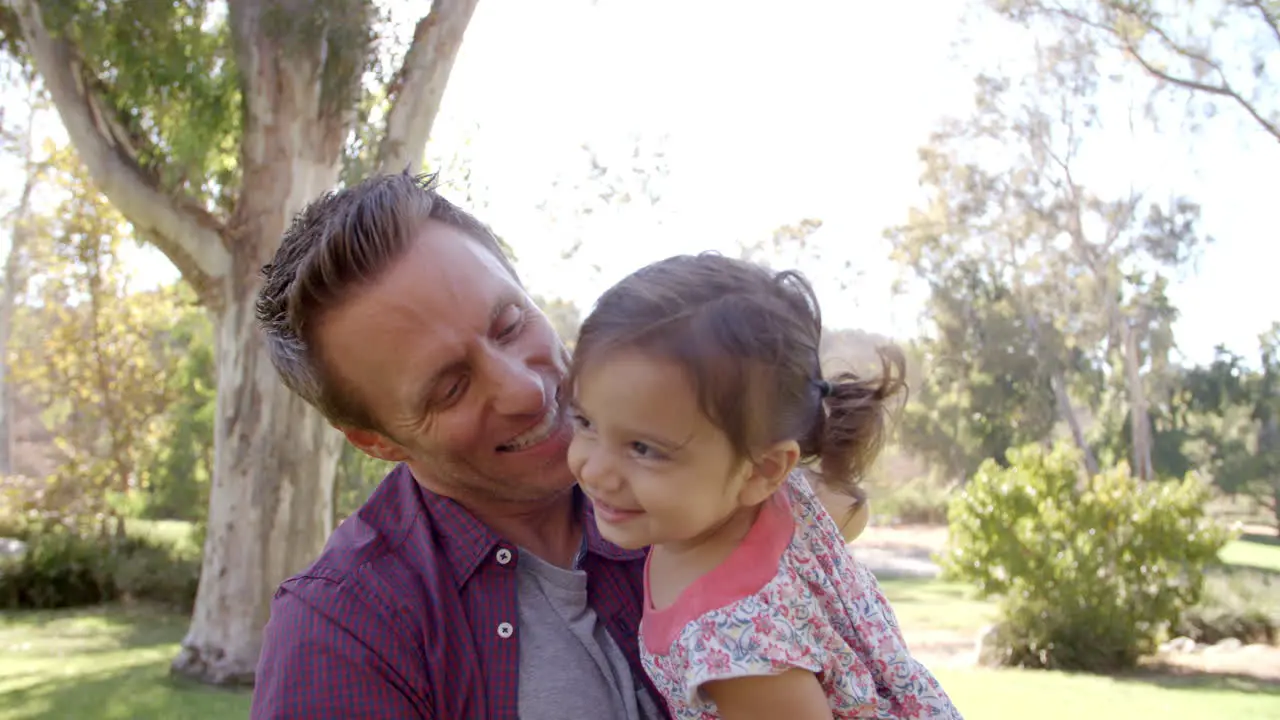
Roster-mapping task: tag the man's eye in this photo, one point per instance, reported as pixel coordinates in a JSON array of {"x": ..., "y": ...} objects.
[
  {"x": 514, "y": 321},
  {"x": 454, "y": 391}
]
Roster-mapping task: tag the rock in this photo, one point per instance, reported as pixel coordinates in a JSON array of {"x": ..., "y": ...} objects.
[
  {"x": 1179, "y": 644},
  {"x": 990, "y": 648},
  {"x": 12, "y": 548},
  {"x": 1225, "y": 645}
]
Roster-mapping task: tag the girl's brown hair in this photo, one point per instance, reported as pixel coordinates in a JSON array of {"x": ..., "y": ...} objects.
[{"x": 749, "y": 339}]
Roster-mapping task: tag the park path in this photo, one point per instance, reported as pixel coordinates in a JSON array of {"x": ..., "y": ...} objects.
[{"x": 902, "y": 551}]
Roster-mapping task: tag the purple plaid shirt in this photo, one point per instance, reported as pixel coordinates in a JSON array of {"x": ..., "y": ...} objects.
[{"x": 410, "y": 612}]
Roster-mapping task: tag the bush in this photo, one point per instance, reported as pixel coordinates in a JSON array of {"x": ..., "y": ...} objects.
[
  {"x": 1238, "y": 603},
  {"x": 922, "y": 501},
  {"x": 62, "y": 568},
  {"x": 1091, "y": 575}
]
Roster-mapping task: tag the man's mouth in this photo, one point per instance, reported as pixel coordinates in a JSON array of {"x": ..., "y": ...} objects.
[{"x": 545, "y": 428}]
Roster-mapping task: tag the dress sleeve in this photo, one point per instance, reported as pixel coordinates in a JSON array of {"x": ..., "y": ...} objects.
[
  {"x": 910, "y": 689},
  {"x": 767, "y": 633}
]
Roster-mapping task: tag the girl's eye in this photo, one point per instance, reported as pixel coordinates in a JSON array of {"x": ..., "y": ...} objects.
[
  {"x": 579, "y": 422},
  {"x": 643, "y": 450}
]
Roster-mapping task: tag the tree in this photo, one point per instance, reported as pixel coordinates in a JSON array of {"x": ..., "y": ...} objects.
[
  {"x": 94, "y": 364},
  {"x": 564, "y": 317},
  {"x": 1223, "y": 50},
  {"x": 615, "y": 182},
  {"x": 1005, "y": 205},
  {"x": 180, "y": 475},
  {"x": 986, "y": 389},
  {"x": 14, "y": 276},
  {"x": 1235, "y": 429},
  {"x": 208, "y": 126}
]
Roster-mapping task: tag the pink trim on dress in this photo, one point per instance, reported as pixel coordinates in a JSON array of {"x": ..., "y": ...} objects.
[{"x": 751, "y": 566}]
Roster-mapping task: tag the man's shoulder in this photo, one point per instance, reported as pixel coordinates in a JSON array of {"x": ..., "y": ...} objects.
[{"x": 369, "y": 552}]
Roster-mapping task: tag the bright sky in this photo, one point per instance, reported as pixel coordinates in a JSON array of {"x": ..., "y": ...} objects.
[{"x": 772, "y": 114}]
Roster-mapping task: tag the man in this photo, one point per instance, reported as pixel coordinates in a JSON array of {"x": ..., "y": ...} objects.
[{"x": 473, "y": 583}]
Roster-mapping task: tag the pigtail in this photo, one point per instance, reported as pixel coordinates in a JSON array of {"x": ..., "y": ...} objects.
[{"x": 852, "y": 423}]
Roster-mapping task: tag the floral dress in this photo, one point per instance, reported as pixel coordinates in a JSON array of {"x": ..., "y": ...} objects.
[{"x": 790, "y": 596}]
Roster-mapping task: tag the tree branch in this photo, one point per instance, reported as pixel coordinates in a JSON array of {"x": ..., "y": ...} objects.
[
  {"x": 183, "y": 231},
  {"x": 419, "y": 85},
  {"x": 1223, "y": 90},
  {"x": 1270, "y": 20},
  {"x": 1128, "y": 46}
]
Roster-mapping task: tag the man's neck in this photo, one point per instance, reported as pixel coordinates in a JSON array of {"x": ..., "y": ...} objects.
[{"x": 552, "y": 529}]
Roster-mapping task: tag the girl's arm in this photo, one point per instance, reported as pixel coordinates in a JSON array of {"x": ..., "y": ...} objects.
[{"x": 794, "y": 694}]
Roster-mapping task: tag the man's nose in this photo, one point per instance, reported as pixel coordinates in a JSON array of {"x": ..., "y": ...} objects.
[{"x": 518, "y": 388}]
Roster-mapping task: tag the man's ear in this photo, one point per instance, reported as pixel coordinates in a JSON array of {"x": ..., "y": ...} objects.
[
  {"x": 375, "y": 445},
  {"x": 769, "y": 470}
]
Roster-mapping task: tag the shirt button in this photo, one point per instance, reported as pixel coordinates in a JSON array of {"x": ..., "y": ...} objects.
[
  {"x": 505, "y": 630},
  {"x": 503, "y": 556}
]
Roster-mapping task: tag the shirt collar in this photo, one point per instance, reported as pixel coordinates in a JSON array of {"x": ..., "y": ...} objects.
[
  {"x": 595, "y": 541},
  {"x": 466, "y": 541}
]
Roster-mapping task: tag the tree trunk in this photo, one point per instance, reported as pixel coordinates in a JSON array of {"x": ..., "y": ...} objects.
[
  {"x": 1139, "y": 418},
  {"x": 271, "y": 504},
  {"x": 1057, "y": 379},
  {"x": 1068, "y": 413},
  {"x": 275, "y": 457}
]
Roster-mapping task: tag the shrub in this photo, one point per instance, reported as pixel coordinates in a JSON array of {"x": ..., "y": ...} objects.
[
  {"x": 1090, "y": 575},
  {"x": 63, "y": 568},
  {"x": 58, "y": 569},
  {"x": 1237, "y": 603},
  {"x": 922, "y": 501}
]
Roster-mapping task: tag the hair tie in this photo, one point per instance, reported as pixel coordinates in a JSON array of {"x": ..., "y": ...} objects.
[{"x": 824, "y": 388}]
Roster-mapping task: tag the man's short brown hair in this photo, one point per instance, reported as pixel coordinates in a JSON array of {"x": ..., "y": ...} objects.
[{"x": 341, "y": 241}]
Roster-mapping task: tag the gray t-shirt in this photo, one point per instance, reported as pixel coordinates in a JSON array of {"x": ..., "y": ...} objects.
[{"x": 570, "y": 667}]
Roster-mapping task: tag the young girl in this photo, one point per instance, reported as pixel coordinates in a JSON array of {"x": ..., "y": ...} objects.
[{"x": 698, "y": 396}]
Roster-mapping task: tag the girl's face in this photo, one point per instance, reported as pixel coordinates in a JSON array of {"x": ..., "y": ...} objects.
[{"x": 656, "y": 469}]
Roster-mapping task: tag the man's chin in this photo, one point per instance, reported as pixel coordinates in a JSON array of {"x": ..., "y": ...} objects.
[{"x": 547, "y": 480}]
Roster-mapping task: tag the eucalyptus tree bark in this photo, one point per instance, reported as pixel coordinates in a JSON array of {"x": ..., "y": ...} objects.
[
  {"x": 1102, "y": 264},
  {"x": 1139, "y": 415},
  {"x": 274, "y": 456}
]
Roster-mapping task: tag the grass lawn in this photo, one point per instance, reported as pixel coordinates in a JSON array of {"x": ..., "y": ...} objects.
[
  {"x": 1256, "y": 551},
  {"x": 937, "y": 605},
  {"x": 113, "y": 664},
  {"x": 108, "y": 664},
  {"x": 1017, "y": 694}
]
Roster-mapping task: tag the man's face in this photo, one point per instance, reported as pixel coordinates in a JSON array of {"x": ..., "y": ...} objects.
[{"x": 459, "y": 368}]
